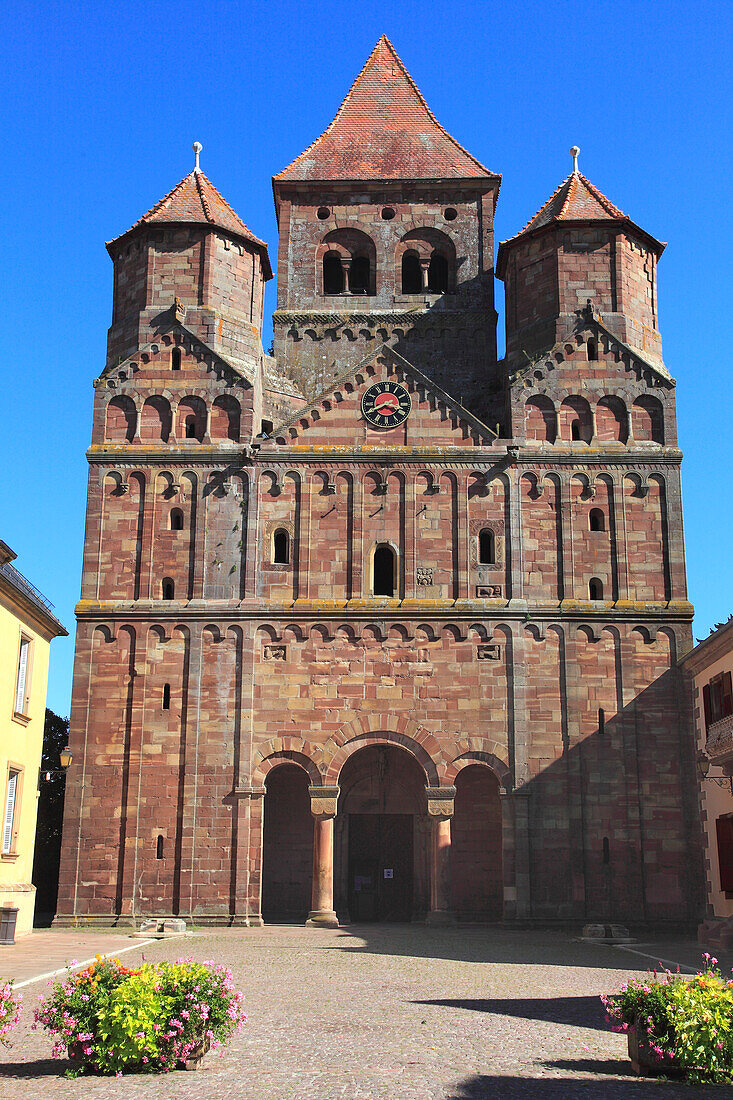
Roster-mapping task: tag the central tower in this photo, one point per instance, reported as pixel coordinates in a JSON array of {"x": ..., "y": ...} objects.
[{"x": 386, "y": 234}]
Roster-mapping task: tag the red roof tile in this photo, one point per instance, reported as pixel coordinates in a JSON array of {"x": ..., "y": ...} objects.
[
  {"x": 384, "y": 130},
  {"x": 195, "y": 199},
  {"x": 577, "y": 200}
]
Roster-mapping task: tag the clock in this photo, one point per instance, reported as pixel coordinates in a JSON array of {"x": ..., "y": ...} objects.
[{"x": 386, "y": 404}]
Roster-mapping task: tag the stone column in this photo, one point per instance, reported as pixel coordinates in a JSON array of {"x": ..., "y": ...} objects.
[
  {"x": 249, "y": 807},
  {"x": 323, "y": 808},
  {"x": 441, "y": 802}
]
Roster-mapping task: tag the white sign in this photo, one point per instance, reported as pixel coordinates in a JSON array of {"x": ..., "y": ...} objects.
[{"x": 389, "y": 872}]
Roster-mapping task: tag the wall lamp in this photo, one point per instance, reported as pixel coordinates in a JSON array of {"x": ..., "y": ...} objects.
[
  {"x": 45, "y": 775},
  {"x": 703, "y": 767}
]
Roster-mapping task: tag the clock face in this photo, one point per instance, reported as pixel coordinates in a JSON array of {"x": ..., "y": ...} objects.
[{"x": 386, "y": 404}]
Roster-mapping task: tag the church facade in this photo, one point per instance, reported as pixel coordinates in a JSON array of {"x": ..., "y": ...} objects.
[{"x": 381, "y": 627}]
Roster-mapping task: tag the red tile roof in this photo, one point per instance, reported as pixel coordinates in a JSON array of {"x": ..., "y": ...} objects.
[
  {"x": 384, "y": 129},
  {"x": 577, "y": 200},
  {"x": 195, "y": 199}
]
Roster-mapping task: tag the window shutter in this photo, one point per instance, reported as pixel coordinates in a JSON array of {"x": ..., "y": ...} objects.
[
  {"x": 9, "y": 812},
  {"x": 22, "y": 674},
  {"x": 724, "y": 830},
  {"x": 727, "y": 695},
  {"x": 706, "y": 704}
]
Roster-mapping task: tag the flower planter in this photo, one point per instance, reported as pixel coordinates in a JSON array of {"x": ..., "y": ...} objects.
[
  {"x": 645, "y": 1062},
  {"x": 194, "y": 1059}
]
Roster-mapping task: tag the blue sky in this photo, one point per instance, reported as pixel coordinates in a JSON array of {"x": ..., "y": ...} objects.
[{"x": 102, "y": 102}]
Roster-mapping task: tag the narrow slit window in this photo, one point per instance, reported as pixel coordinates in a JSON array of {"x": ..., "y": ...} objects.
[
  {"x": 601, "y": 720},
  {"x": 21, "y": 679},
  {"x": 596, "y": 520},
  {"x": 592, "y": 350},
  {"x": 486, "y": 547},
  {"x": 384, "y": 571},
  {"x": 359, "y": 276},
  {"x": 438, "y": 274},
  {"x": 190, "y": 427},
  {"x": 176, "y": 519},
  {"x": 280, "y": 547},
  {"x": 595, "y": 589},
  {"x": 168, "y": 589},
  {"x": 411, "y": 273},
  {"x": 606, "y": 850},
  {"x": 11, "y": 797},
  {"x": 176, "y": 359},
  {"x": 159, "y": 847},
  {"x": 575, "y": 431},
  {"x": 166, "y": 697}
]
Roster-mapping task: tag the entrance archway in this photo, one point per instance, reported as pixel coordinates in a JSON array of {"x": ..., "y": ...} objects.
[
  {"x": 382, "y": 837},
  {"x": 287, "y": 845},
  {"x": 477, "y": 890}
]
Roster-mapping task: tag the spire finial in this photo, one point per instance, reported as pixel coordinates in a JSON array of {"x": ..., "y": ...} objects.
[
  {"x": 574, "y": 154},
  {"x": 197, "y": 147}
]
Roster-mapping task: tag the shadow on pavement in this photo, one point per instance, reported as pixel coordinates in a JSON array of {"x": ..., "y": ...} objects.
[
  {"x": 42, "y": 1067},
  {"x": 569, "y": 1011},
  {"x": 484, "y": 1087}
]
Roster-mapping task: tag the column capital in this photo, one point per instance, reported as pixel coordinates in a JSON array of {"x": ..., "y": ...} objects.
[
  {"x": 441, "y": 801},
  {"x": 323, "y": 801}
]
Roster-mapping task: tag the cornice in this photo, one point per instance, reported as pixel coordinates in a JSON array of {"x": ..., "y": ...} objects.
[{"x": 131, "y": 454}]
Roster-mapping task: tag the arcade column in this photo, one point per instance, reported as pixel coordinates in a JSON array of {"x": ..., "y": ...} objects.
[
  {"x": 441, "y": 802},
  {"x": 323, "y": 809}
]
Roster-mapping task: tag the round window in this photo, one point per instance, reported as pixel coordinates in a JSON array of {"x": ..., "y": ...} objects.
[
  {"x": 388, "y": 213},
  {"x": 450, "y": 214},
  {"x": 324, "y": 212}
]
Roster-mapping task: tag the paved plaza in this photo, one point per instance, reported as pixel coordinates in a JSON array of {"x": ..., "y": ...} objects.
[{"x": 396, "y": 1012}]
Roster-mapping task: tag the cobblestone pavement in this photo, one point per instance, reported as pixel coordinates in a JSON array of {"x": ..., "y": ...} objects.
[
  {"x": 43, "y": 952},
  {"x": 389, "y": 1013}
]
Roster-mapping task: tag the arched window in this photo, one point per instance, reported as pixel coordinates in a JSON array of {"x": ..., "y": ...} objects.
[
  {"x": 333, "y": 274},
  {"x": 595, "y": 589},
  {"x": 121, "y": 419},
  {"x": 166, "y": 697},
  {"x": 176, "y": 359},
  {"x": 159, "y": 847},
  {"x": 438, "y": 274},
  {"x": 176, "y": 519},
  {"x": 359, "y": 275},
  {"x": 167, "y": 589},
  {"x": 383, "y": 571},
  {"x": 596, "y": 520},
  {"x": 486, "y": 547},
  {"x": 592, "y": 350},
  {"x": 280, "y": 547},
  {"x": 190, "y": 423},
  {"x": 411, "y": 273}
]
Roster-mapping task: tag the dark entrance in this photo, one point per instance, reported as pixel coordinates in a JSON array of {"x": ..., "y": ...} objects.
[
  {"x": 287, "y": 848},
  {"x": 380, "y": 867}
]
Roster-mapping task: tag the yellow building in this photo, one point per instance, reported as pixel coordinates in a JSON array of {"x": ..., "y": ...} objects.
[
  {"x": 27, "y": 626},
  {"x": 710, "y": 664}
]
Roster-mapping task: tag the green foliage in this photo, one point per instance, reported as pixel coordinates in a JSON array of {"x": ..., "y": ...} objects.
[{"x": 688, "y": 1021}]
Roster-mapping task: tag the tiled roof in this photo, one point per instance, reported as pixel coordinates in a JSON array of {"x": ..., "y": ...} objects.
[
  {"x": 195, "y": 199},
  {"x": 384, "y": 130},
  {"x": 576, "y": 200}
]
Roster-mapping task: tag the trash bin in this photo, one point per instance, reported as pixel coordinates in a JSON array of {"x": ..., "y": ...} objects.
[{"x": 8, "y": 917}]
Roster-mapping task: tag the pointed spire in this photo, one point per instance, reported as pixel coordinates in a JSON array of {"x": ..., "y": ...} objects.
[
  {"x": 574, "y": 153},
  {"x": 197, "y": 147},
  {"x": 384, "y": 129}
]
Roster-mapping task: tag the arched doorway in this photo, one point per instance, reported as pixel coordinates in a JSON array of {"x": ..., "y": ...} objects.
[
  {"x": 287, "y": 845},
  {"x": 477, "y": 889},
  {"x": 382, "y": 834}
]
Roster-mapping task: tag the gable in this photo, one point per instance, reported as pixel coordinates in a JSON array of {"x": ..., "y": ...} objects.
[
  {"x": 334, "y": 417},
  {"x": 177, "y": 356}
]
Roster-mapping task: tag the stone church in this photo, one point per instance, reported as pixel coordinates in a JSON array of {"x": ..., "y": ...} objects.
[{"x": 380, "y": 627}]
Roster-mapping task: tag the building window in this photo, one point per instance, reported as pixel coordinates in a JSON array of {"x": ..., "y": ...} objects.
[
  {"x": 167, "y": 589},
  {"x": 592, "y": 351},
  {"x": 724, "y": 831},
  {"x": 266, "y": 427},
  {"x": 176, "y": 359},
  {"x": 575, "y": 431},
  {"x": 190, "y": 427},
  {"x": 10, "y": 815},
  {"x": 383, "y": 570},
  {"x": 438, "y": 274},
  {"x": 22, "y": 677},
  {"x": 333, "y": 274},
  {"x": 411, "y": 273},
  {"x": 717, "y": 698},
  {"x": 166, "y": 697},
  {"x": 359, "y": 276},
  {"x": 176, "y": 519},
  {"x": 595, "y": 589},
  {"x": 486, "y": 547},
  {"x": 596, "y": 520},
  {"x": 159, "y": 847},
  {"x": 280, "y": 547}
]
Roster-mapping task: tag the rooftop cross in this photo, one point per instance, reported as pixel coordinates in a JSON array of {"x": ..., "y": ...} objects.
[
  {"x": 573, "y": 153},
  {"x": 197, "y": 147}
]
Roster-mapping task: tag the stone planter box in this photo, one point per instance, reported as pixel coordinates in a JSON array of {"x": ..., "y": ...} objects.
[
  {"x": 644, "y": 1061},
  {"x": 79, "y": 1058}
]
